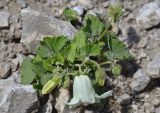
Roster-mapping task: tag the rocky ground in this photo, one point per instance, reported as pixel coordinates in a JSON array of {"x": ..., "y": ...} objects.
[{"x": 25, "y": 22}]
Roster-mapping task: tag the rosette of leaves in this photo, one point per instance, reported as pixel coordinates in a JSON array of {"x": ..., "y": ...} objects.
[{"x": 59, "y": 60}]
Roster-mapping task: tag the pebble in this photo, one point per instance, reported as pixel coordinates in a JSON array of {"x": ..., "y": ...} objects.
[
  {"x": 140, "y": 81},
  {"x": 153, "y": 67},
  {"x": 5, "y": 69},
  {"x": 4, "y": 19},
  {"x": 124, "y": 99},
  {"x": 22, "y": 3},
  {"x": 79, "y": 10}
]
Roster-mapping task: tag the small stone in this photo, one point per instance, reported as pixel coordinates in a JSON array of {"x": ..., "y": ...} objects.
[
  {"x": 140, "y": 81},
  {"x": 22, "y": 3},
  {"x": 124, "y": 99},
  {"x": 79, "y": 10},
  {"x": 87, "y": 4},
  {"x": 15, "y": 63},
  {"x": 153, "y": 67},
  {"x": 5, "y": 69},
  {"x": 156, "y": 102},
  {"x": 4, "y": 19},
  {"x": 135, "y": 107},
  {"x": 88, "y": 111},
  {"x": 148, "y": 16},
  {"x": 157, "y": 110}
]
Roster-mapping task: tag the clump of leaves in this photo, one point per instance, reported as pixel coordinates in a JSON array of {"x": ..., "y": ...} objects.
[
  {"x": 70, "y": 15},
  {"x": 59, "y": 60}
]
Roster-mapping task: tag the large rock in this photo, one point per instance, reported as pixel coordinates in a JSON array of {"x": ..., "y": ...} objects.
[
  {"x": 148, "y": 16},
  {"x": 4, "y": 19},
  {"x": 153, "y": 67},
  {"x": 140, "y": 81},
  {"x": 17, "y": 98},
  {"x": 36, "y": 25},
  {"x": 61, "y": 100}
]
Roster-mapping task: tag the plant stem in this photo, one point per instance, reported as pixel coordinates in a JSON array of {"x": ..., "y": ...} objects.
[{"x": 108, "y": 62}]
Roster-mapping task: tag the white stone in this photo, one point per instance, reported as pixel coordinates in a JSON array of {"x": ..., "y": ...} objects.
[
  {"x": 79, "y": 10},
  {"x": 140, "y": 81},
  {"x": 148, "y": 16},
  {"x": 4, "y": 19}
]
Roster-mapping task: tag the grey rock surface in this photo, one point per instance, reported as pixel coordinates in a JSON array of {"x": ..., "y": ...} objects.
[
  {"x": 5, "y": 69},
  {"x": 148, "y": 16},
  {"x": 4, "y": 19},
  {"x": 17, "y": 98},
  {"x": 48, "y": 107},
  {"x": 153, "y": 67},
  {"x": 61, "y": 100},
  {"x": 140, "y": 81},
  {"x": 125, "y": 99},
  {"x": 36, "y": 25}
]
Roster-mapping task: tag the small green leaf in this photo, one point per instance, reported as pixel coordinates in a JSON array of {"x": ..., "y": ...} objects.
[
  {"x": 93, "y": 25},
  {"x": 80, "y": 39},
  {"x": 117, "y": 51},
  {"x": 72, "y": 52},
  {"x": 100, "y": 76},
  {"x": 116, "y": 69},
  {"x": 95, "y": 49},
  {"x": 27, "y": 73},
  {"x": 66, "y": 82},
  {"x": 70, "y": 14}
]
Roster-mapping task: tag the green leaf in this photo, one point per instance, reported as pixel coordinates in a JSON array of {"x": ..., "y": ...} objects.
[
  {"x": 48, "y": 64},
  {"x": 116, "y": 69},
  {"x": 80, "y": 39},
  {"x": 93, "y": 25},
  {"x": 66, "y": 82},
  {"x": 51, "y": 46},
  {"x": 117, "y": 51},
  {"x": 100, "y": 76},
  {"x": 70, "y": 14},
  {"x": 45, "y": 78},
  {"x": 71, "y": 52},
  {"x": 27, "y": 73},
  {"x": 96, "y": 48}
]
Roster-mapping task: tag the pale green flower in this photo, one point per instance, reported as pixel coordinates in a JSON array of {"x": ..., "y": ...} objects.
[{"x": 83, "y": 92}]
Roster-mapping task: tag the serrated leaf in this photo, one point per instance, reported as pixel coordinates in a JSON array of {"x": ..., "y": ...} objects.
[
  {"x": 95, "y": 49},
  {"x": 51, "y": 46},
  {"x": 27, "y": 73},
  {"x": 100, "y": 76},
  {"x": 80, "y": 39},
  {"x": 70, "y": 14},
  {"x": 117, "y": 51},
  {"x": 93, "y": 25},
  {"x": 71, "y": 52}
]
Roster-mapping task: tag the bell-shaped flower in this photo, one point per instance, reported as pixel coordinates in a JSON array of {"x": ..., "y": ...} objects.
[{"x": 83, "y": 92}]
